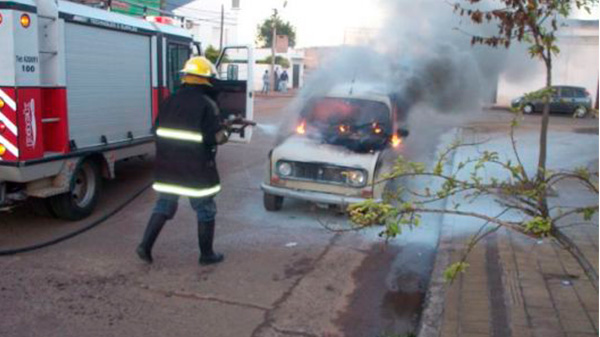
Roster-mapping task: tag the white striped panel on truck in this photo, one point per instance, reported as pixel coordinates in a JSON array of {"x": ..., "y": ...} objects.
[{"x": 9, "y": 139}]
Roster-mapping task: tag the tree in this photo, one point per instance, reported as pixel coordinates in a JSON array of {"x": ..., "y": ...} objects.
[
  {"x": 533, "y": 22},
  {"x": 212, "y": 54},
  {"x": 265, "y": 32},
  {"x": 536, "y": 23},
  {"x": 279, "y": 60}
]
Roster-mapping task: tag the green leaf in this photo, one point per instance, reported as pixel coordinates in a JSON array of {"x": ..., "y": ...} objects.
[
  {"x": 539, "y": 226},
  {"x": 454, "y": 269}
]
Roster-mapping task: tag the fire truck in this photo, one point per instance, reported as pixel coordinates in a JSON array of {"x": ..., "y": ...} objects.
[{"x": 80, "y": 88}]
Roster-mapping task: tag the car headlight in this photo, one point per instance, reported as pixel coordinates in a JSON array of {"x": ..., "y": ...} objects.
[
  {"x": 284, "y": 169},
  {"x": 356, "y": 178}
]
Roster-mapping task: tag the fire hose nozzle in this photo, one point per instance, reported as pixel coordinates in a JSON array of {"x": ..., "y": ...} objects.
[{"x": 238, "y": 124}]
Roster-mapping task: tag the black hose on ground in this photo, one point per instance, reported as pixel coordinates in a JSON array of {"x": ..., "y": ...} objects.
[{"x": 73, "y": 234}]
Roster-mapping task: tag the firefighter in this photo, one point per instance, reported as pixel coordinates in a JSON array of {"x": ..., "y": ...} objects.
[{"x": 188, "y": 130}]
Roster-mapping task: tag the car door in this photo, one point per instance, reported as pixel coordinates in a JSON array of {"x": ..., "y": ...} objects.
[
  {"x": 567, "y": 100},
  {"x": 235, "y": 87}
]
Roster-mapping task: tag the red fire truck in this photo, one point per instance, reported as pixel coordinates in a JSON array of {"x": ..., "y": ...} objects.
[{"x": 79, "y": 90}]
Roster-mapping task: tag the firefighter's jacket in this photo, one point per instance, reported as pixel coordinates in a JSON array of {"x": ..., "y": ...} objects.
[{"x": 186, "y": 144}]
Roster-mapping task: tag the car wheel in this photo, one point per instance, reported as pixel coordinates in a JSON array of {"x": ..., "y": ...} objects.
[
  {"x": 82, "y": 197},
  {"x": 272, "y": 202},
  {"x": 580, "y": 112},
  {"x": 528, "y": 109}
]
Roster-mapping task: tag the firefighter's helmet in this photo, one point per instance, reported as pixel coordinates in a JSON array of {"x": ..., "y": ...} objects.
[{"x": 199, "y": 66}]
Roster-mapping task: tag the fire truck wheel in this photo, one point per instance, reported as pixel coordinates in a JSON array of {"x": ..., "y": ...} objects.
[
  {"x": 81, "y": 200},
  {"x": 272, "y": 203}
]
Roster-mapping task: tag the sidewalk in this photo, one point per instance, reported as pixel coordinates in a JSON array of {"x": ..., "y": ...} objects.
[
  {"x": 515, "y": 285},
  {"x": 289, "y": 93}
]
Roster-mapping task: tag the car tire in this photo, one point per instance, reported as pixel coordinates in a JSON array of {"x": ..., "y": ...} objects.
[
  {"x": 272, "y": 203},
  {"x": 580, "y": 112},
  {"x": 528, "y": 109},
  {"x": 83, "y": 193}
]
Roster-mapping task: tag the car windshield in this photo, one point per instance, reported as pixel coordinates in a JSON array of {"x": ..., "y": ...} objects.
[{"x": 355, "y": 113}]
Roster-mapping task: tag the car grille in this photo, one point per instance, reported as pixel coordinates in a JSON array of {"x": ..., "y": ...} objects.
[{"x": 319, "y": 172}]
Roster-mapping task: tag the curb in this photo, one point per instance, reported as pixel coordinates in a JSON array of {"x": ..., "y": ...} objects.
[{"x": 430, "y": 322}]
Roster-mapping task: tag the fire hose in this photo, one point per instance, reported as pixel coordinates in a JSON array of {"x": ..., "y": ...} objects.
[{"x": 231, "y": 124}]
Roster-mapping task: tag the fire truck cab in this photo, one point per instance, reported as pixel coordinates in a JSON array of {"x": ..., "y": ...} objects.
[{"x": 80, "y": 88}]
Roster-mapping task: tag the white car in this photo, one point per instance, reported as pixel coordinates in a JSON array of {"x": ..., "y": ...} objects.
[{"x": 343, "y": 143}]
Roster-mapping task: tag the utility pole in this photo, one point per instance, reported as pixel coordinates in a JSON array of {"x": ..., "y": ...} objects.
[
  {"x": 273, "y": 40},
  {"x": 222, "y": 27}
]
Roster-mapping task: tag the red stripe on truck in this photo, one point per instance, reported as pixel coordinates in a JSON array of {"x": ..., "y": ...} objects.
[{"x": 55, "y": 120}]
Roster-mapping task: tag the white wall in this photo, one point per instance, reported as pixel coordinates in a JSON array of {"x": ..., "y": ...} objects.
[
  {"x": 206, "y": 18},
  {"x": 576, "y": 64}
]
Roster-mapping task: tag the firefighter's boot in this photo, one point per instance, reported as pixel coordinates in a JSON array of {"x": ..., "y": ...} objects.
[
  {"x": 155, "y": 225},
  {"x": 206, "y": 235}
]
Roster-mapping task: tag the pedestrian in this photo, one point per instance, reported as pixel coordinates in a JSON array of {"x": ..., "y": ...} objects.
[
  {"x": 276, "y": 80},
  {"x": 188, "y": 130},
  {"x": 266, "y": 82},
  {"x": 283, "y": 81}
]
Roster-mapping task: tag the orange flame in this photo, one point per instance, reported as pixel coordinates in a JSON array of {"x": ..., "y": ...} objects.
[
  {"x": 396, "y": 140},
  {"x": 301, "y": 129},
  {"x": 343, "y": 128}
]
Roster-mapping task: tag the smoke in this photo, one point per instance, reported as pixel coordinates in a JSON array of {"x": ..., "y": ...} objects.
[{"x": 423, "y": 55}]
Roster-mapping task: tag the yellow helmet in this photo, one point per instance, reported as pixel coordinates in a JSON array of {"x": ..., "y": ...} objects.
[{"x": 199, "y": 66}]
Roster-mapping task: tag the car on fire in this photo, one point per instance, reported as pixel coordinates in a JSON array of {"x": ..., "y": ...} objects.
[{"x": 341, "y": 145}]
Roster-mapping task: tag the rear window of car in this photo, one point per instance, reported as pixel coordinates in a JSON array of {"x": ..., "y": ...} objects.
[{"x": 579, "y": 92}]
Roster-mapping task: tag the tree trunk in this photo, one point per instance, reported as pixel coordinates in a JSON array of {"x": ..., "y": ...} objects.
[{"x": 541, "y": 170}]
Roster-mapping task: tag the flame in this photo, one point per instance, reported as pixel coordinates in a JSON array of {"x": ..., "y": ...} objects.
[
  {"x": 343, "y": 128},
  {"x": 301, "y": 129},
  {"x": 376, "y": 128},
  {"x": 396, "y": 140}
]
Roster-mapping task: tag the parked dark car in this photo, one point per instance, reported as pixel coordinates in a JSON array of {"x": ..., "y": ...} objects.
[{"x": 565, "y": 99}]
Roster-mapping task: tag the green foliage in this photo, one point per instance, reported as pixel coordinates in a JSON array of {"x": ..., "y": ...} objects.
[
  {"x": 265, "y": 32},
  {"x": 279, "y": 60},
  {"x": 588, "y": 213},
  {"x": 212, "y": 54},
  {"x": 454, "y": 270},
  {"x": 370, "y": 213},
  {"x": 539, "y": 226}
]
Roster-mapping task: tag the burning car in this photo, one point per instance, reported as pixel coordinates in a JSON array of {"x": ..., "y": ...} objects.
[{"x": 342, "y": 144}]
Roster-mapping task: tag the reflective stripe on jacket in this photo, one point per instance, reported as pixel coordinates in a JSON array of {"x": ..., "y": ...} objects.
[{"x": 186, "y": 144}]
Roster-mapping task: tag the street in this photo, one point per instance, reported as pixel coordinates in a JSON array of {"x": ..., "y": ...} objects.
[{"x": 285, "y": 274}]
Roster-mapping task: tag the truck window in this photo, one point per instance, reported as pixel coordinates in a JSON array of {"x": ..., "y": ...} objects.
[{"x": 177, "y": 54}]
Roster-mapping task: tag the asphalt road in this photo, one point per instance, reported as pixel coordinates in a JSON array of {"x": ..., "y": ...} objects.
[{"x": 284, "y": 274}]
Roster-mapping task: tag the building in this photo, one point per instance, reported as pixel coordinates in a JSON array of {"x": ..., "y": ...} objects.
[
  {"x": 576, "y": 64},
  {"x": 204, "y": 17}
]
